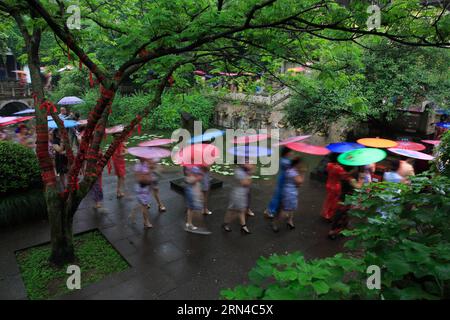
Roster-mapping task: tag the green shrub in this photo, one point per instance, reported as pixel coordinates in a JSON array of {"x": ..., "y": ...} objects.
[
  {"x": 410, "y": 243},
  {"x": 443, "y": 160},
  {"x": 22, "y": 207},
  {"x": 19, "y": 168}
]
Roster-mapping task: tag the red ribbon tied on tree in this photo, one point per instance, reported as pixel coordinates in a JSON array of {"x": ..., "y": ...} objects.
[
  {"x": 49, "y": 106},
  {"x": 35, "y": 98},
  {"x": 139, "y": 127}
]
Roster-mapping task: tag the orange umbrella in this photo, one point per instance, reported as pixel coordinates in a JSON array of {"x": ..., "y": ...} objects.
[{"x": 377, "y": 143}]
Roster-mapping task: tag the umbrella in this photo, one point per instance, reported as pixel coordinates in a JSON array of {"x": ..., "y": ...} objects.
[
  {"x": 70, "y": 101},
  {"x": 207, "y": 136},
  {"x": 291, "y": 139},
  {"x": 156, "y": 142},
  {"x": 199, "y": 72},
  {"x": 377, "y": 143},
  {"x": 445, "y": 125},
  {"x": 67, "y": 124},
  {"x": 362, "y": 157},
  {"x": 411, "y": 154},
  {"x": 196, "y": 155},
  {"x": 341, "y": 147},
  {"x": 29, "y": 110},
  {"x": 19, "y": 71},
  {"x": 251, "y": 138},
  {"x": 116, "y": 129},
  {"x": 250, "y": 151},
  {"x": 83, "y": 122},
  {"x": 408, "y": 145},
  {"x": 308, "y": 148},
  {"x": 296, "y": 69},
  {"x": 433, "y": 142},
  {"x": 149, "y": 153},
  {"x": 6, "y": 121}
]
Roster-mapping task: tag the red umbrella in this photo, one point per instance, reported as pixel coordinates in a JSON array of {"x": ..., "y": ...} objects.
[
  {"x": 6, "y": 121},
  {"x": 156, "y": 142},
  {"x": 292, "y": 139},
  {"x": 149, "y": 153},
  {"x": 196, "y": 155},
  {"x": 251, "y": 138},
  {"x": 433, "y": 142},
  {"x": 115, "y": 129},
  {"x": 307, "y": 148},
  {"x": 408, "y": 145}
]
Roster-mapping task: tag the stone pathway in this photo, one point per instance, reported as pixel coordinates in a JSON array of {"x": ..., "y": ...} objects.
[{"x": 167, "y": 262}]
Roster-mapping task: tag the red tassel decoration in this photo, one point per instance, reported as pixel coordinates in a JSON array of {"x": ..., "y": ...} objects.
[
  {"x": 109, "y": 167},
  {"x": 91, "y": 80},
  {"x": 80, "y": 65}
]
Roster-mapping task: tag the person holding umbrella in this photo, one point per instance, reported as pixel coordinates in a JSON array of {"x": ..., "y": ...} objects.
[
  {"x": 205, "y": 189},
  {"x": 144, "y": 180},
  {"x": 333, "y": 186},
  {"x": 156, "y": 176},
  {"x": 193, "y": 195}
]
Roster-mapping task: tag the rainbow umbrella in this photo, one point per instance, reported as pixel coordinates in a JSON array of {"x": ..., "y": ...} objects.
[
  {"x": 308, "y": 148},
  {"x": 292, "y": 139},
  {"x": 433, "y": 142},
  {"x": 377, "y": 143},
  {"x": 445, "y": 125},
  {"x": 67, "y": 124},
  {"x": 408, "y": 145},
  {"x": 341, "y": 147},
  {"x": 250, "y": 151},
  {"x": 196, "y": 155},
  {"x": 411, "y": 154},
  {"x": 156, "y": 142},
  {"x": 251, "y": 138},
  {"x": 207, "y": 136},
  {"x": 149, "y": 152},
  {"x": 116, "y": 129},
  {"x": 362, "y": 157}
]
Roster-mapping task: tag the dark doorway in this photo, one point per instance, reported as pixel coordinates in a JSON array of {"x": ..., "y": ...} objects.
[{"x": 12, "y": 107}]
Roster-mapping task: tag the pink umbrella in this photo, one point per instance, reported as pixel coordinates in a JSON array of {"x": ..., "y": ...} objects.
[
  {"x": 156, "y": 142},
  {"x": 308, "y": 148},
  {"x": 196, "y": 155},
  {"x": 408, "y": 145},
  {"x": 411, "y": 154},
  {"x": 251, "y": 138},
  {"x": 433, "y": 142},
  {"x": 199, "y": 72},
  {"x": 292, "y": 139},
  {"x": 115, "y": 129},
  {"x": 6, "y": 121},
  {"x": 149, "y": 153}
]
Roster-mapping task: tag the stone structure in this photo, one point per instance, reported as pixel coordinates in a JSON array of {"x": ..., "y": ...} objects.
[{"x": 14, "y": 97}]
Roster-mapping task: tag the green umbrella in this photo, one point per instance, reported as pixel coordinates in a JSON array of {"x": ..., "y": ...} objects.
[{"x": 362, "y": 157}]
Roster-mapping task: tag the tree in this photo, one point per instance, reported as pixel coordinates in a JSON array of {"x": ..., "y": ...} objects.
[{"x": 135, "y": 36}]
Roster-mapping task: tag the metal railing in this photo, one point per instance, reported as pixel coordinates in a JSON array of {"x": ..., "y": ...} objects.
[{"x": 14, "y": 89}]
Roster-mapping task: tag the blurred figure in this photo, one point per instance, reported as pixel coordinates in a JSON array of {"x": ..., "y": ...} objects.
[
  {"x": 239, "y": 202},
  {"x": 369, "y": 170},
  {"x": 193, "y": 195},
  {"x": 155, "y": 173},
  {"x": 205, "y": 189},
  {"x": 294, "y": 177},
  {"x": 406, "y": 168},
  {"x": 274, "y": 205},
  {"x": 393, "y": 174},
  {"x": 333, "y": 186},
  {"x": 118, "y": 160},
  {"x": 63, "y": 113},
  {"x": 3, "y": 134},
  {"x": 97, "y": 193},
  {"x": 61, "y": 161},
  {"x": 353, "y": 179},
  {"x": 143, "y": 182},
  {"x": 23, "y": 136}
]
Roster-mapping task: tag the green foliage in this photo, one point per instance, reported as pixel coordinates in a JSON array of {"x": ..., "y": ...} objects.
[
  {"x": 290, "y": 277},
  {"x": 95, "y": 257},
  {"x": 71, "y": 83},
  {"x": 22, "y": 207},
  {"x": 19, "y": 168},
  {"x": 403, "y": 229}
]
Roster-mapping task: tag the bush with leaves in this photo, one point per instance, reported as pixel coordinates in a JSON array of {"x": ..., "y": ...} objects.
[
  {"x": 19, "y": 168},
  {"x": 403, "y": 229},
  {"x": 443, "y": 150}
]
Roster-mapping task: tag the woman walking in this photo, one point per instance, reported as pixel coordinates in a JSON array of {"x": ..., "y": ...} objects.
[
  {"x": 143, "y": 182},
  {"x": 155, "y": 172},
  {"x": 333, "y": 186},
  {"x": 205, "y": 183},
  {"x": 294, "y": 177},
  {"x": 239, "y": 202},
  {"x": 193, "y": 195},
  {"x": 118, "y": 160}
]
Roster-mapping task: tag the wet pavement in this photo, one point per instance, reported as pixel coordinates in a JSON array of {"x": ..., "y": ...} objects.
[{"x": 167, "y": 262}]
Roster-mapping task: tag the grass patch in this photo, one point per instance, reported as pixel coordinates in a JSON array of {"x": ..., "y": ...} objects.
[{"x": 96, "y": 258}]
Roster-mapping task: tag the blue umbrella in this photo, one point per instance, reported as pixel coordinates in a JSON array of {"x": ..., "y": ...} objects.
[
  {"x": 206, "y": 136},
  {"x": 25, "y": 111},
  {"x": 341, "y": 147},
  {"x": 67, "y": 124},
  {"x": 445, "y": 125},
  {"x": 250, "y": 151}
]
